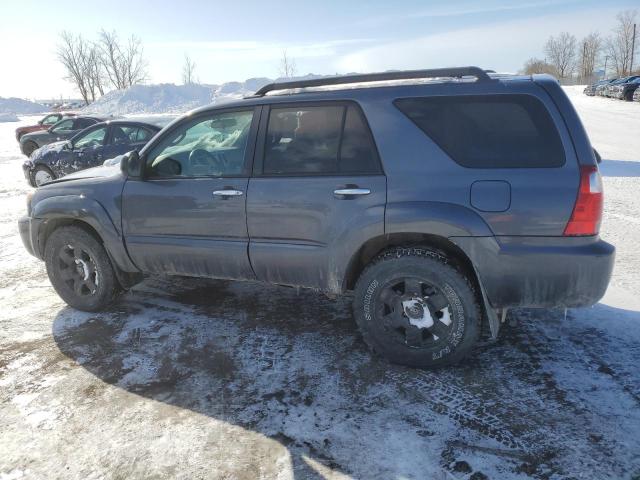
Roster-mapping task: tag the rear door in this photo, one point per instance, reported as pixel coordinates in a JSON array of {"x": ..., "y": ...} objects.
[
  {"x": 318, "y": 192},
  {"x": 124, "y": 138},
  {"x": 187, "y": 216}
]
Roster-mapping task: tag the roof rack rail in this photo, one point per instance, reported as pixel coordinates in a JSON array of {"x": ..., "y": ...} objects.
[{"x": 477, "y": 72}]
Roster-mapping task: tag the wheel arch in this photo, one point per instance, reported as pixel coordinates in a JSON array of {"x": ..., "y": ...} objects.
[
  {"x": 374, "y": 246},
  {"x": 58, "y": 211}
]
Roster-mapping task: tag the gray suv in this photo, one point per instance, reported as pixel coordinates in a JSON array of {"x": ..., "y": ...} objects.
[{"x": 440, "y": 198}]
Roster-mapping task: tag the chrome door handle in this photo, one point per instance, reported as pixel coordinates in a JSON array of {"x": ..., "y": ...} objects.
[
  {"x": 352, "y": 191},
  {"x": 227, "y": 193}
]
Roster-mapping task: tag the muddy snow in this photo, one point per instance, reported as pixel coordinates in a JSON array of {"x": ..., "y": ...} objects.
[{"x": 210, "y": 379}]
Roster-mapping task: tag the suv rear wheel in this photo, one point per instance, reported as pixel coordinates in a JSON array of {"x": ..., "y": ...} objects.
[
  {"x": 79, "y": 269},
  {"x": 416, "y": 309}
]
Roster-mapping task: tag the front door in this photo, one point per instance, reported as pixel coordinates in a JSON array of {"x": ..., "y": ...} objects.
[
  {"x": 317, "y": 194},
  {"x": 187, "y": 215}
]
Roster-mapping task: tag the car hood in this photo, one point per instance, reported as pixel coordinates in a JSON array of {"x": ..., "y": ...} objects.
[
  {"x": 102, "y": 171},
  {"x": 54, "y": 147},
  {"x": 35, "y": 135}
]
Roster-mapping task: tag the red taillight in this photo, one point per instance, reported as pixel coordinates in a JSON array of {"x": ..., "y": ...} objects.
[{"x": 587, "y": 212}]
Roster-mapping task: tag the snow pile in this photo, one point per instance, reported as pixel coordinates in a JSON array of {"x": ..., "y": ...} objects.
[
  {"x": 8, "y": 117},
  {"x": 170, "y": 98},
  {"x": 162, "y": 98},
  {"x": 20, "y": 106}
]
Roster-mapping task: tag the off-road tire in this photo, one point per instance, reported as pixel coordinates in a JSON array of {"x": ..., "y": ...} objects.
[
  {"x": 79, "y": 243},
  {"x": 432, "y": 268},
  {"x": 34, "y": 172}
]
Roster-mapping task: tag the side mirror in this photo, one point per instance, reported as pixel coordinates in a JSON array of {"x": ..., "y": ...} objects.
[{"x": 130, "y": 164}]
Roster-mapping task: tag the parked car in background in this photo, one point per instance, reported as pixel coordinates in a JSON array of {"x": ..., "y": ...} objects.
[
  {"x": 590, "y": 90},
  {"x": 64, "y": 129},
  {"x": 439, "y": 204},
  {"x": 601, "y": 89},
  {"x": 626, "y": 89},
  {"x": 43, "y": 124},
  {"x": 89, "y": 148},
  {"x": 611, "y": 90}
]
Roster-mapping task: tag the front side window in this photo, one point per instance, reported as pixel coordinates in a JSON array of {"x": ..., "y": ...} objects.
[
  {"x": 62, "y": 126},
  {"x": 93, "y": 138},
  {"x": 318, "y": 140},
  {"x": 50, "y": 119},
  {"x": 489, "y": 131},
  {"x": 213, "y": 145}
]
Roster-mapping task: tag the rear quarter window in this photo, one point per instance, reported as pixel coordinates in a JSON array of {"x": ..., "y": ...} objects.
[{"x": 489, "y": 131}]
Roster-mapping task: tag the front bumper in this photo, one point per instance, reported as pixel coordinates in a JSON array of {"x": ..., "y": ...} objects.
[
  {"x": 543, "y": 272},
  {"x": 26, "y": 169},
  {"x": 29, "y": 228}
]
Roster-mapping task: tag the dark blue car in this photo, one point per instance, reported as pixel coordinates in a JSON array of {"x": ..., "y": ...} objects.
[{"x": 89, "y": 148}]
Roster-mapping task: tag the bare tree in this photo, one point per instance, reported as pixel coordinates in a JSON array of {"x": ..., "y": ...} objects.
[
  {"x": 73, "y": 52},
  {"x": 123, "y": 65},
  {"x": 620, "y": 45},
  {"x": 287, "y": 65},
  {"x": 589, "y": 52},
  {"x": 188, "y": 70},
  {"x": 536, "y": 65},
  {"x": 561, "y": 52}
]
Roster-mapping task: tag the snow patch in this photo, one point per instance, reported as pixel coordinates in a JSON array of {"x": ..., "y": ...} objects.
[{"x": 8, "y": 117}]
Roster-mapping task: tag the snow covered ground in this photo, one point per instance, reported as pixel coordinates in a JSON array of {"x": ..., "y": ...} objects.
[{"x": 211, "y": 379}]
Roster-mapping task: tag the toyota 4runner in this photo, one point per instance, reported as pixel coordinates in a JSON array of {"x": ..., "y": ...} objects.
[{"x": 441, "y": 198}]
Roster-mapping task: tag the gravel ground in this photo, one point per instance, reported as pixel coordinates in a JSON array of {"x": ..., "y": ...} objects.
[{"x": 195, "y": 379}]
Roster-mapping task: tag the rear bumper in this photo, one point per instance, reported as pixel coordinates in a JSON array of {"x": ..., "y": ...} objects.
[
  {"x": 541, "y": 271},
  {"x": 28, "y": 228}
]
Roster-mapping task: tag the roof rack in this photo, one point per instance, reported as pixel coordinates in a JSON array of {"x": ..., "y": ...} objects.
[{"x": 477, "y": 72}]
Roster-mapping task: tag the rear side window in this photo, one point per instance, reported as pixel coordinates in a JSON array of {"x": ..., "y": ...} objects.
[
  {"x": 319, "y": 140},
  {"x": 81, "y": 123},
  {"x": 489, "y": 131}
]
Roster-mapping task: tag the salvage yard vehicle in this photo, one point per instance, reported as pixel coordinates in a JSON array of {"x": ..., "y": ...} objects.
[
  {"x": 626, "y": 89},
  {"x": 43, "y": 124},
  {"x": 89, "y": 148},
  {"x": 590, "y": 90},
  {"x": 440, "y": 198},
  {"x": 64, "y": 129},
  {"x": 611, "y": 89}
]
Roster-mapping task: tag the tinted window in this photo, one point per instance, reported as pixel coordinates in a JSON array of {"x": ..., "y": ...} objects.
[
  {"x": 357, "y": 152},
  {"x": 81, "y": 123},
  {"x": 318, "y": 140},
  {"x": 207, "y": 146},
  {"x": 494, "y": 131},
  {"x": 127, "y": 134},
  {"x": 63, "y": 125},
  {"x": 91, "y": 139}
]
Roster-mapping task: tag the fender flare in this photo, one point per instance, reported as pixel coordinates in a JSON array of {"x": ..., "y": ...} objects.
[{"x": 91, "y": 212}]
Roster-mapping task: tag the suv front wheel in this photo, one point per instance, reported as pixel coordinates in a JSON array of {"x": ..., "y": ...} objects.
[
  {"x": 416, "y": 309},
  {"x": 79, "y": 269}
]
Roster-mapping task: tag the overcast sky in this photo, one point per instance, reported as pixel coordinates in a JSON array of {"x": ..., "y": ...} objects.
[{"x": 237, "y": 40}]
